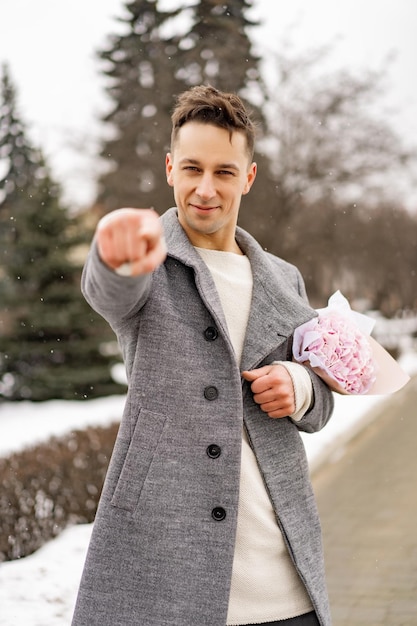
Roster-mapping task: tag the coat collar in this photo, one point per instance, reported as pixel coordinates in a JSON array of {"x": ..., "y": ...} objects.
[{"x": 277, "y": 309}]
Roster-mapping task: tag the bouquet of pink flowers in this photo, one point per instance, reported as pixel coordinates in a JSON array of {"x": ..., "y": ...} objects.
[{"x": 337, "y": 346}]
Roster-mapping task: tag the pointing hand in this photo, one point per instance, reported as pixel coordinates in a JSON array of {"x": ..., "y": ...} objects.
[{"x": 131, "y": 241}]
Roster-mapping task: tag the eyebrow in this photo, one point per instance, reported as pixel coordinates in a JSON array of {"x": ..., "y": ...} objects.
[{"x": 219, "y": 166}]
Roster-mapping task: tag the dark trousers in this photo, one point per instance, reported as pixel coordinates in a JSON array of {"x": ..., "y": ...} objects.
[{"x": 308, "y": 619}]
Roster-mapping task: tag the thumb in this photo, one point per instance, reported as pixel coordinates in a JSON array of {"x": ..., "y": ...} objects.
[{"x": 253, "y": 374}]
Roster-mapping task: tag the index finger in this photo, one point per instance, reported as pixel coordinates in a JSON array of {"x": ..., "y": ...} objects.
[{"x": 154, "y": 257}]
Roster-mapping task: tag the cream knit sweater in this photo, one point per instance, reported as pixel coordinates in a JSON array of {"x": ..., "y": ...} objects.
[{"x": 265, "y": 585}]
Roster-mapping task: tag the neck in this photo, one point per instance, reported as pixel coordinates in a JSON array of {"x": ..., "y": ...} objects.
[{"x": 210, "y": 243}]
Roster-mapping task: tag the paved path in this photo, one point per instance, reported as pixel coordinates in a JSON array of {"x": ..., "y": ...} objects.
[{"x": 368, "y": 507}]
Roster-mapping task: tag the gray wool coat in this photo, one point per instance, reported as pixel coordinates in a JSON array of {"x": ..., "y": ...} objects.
[{"x": 162, "y": 547}]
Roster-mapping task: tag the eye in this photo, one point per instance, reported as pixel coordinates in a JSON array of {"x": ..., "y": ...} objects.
[{"x": 225, "y": 173}]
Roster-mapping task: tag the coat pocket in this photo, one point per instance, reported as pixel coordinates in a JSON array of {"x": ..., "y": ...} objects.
[{"x": 143, "y": 444}]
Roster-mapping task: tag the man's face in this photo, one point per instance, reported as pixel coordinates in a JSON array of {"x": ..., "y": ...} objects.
[{"x": 209, "y": 171}]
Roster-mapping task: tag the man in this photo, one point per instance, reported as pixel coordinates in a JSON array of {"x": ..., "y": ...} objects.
[{"x": 207, "y": 516}]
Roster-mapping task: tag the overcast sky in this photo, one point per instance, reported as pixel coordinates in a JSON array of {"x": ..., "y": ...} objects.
[{"x": 50, "y": 47}]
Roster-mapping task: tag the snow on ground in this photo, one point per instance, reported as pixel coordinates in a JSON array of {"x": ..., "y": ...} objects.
[
  {"x": 40, "y": 590},
  {"x": 24, "y": 424}
]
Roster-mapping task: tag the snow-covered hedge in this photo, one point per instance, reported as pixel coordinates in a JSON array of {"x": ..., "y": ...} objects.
[{"x": 45, "y": 488}]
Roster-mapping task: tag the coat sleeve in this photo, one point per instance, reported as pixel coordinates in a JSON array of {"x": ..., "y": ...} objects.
[
  {"x": 114, "y": 297},
  {"x": 322, "y": 404},
  {"x": 321, "y": 409}
]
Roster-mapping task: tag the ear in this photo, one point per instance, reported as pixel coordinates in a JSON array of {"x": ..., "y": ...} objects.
[
  {"x": 250, "y": 178},
  {"x": 168, "y": 169}
]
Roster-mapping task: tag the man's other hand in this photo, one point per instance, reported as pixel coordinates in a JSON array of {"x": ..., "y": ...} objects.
[{"x": 272, "y": 389}]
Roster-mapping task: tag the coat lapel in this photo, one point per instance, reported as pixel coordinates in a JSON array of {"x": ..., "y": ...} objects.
[
  {"x": 277, "y": 308},
  {"x": 179, "y": 247}
]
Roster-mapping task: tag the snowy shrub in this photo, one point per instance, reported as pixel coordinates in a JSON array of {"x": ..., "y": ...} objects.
[{"x": 48, "y": 487}]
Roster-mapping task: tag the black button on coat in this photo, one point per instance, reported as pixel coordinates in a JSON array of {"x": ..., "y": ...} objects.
[
  {"x": 214, "y": 451},
  {"x": 218, "y": 514},
  {"x": 211, "y": 333},
  {"x": 211, "y": 393}
]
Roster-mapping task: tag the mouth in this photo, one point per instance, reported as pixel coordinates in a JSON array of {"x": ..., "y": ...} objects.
[{"x": 203, "y": 208}]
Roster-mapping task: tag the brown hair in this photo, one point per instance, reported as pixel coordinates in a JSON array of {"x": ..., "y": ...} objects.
[{"x": 207, "y": 105}]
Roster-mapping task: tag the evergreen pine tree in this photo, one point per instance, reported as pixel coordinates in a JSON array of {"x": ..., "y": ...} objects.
[
  {"x": 217, "y": 49},
  {"x": 140, "y": 66},
  {"x": 49, "y": 337},
  {"x": 161, "y": 55},
  {"x": 18, "y": 166}
]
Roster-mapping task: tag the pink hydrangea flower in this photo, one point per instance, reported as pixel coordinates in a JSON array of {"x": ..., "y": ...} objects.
[
  {"x": 337, "y": 350},
  {"x": 338, "y": 346}
]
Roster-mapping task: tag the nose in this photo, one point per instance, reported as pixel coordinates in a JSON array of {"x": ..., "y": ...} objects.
[{"x": 206, "y": 188}]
